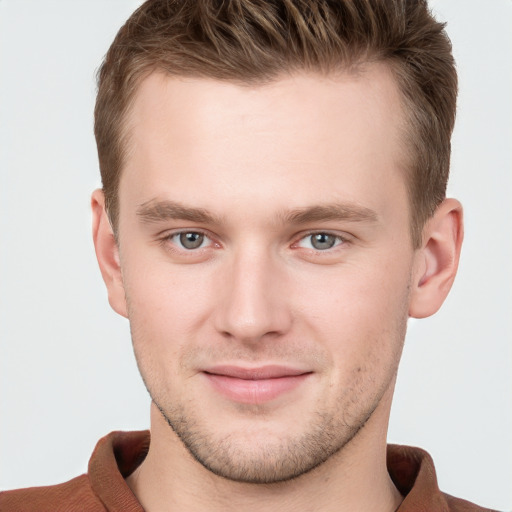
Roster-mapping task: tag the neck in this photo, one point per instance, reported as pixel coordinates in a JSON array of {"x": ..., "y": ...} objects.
[{"x": 354, "y": 479}]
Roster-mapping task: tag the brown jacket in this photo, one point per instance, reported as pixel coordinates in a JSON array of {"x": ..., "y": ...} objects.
[{"x": 118, "y": 454}]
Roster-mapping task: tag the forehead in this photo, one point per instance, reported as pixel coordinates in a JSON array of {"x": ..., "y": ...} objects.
[{"x": 285, "y": 141}]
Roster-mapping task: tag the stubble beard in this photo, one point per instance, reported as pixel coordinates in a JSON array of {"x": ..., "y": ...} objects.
[
  {"x": 277, "y": 460},
  {"x": 282, "y": 458}
]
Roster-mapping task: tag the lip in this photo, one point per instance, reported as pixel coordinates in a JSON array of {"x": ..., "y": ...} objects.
[{"x": 255, "y": 385}]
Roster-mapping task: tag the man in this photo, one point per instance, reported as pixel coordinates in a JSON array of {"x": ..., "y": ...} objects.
[{"x": 273, "y": 210}]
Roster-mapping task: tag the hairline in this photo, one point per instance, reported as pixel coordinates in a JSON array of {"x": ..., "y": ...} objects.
[{"x": 408, "y": 130}]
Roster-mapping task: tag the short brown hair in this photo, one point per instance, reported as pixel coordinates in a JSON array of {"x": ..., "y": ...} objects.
[{"x": 256, "y": 41}]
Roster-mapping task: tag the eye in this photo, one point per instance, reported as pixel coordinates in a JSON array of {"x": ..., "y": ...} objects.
[
  {"x": 320, "y": 241},
  {"x": 190, "y": 239}
]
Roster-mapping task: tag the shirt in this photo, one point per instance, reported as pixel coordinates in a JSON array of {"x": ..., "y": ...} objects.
[{"x": 117, "y": 455}]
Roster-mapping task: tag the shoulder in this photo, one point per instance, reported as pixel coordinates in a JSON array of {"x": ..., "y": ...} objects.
[
  {"x": 103, "y": 488},
  {"x": 413, "y": 473},
  {"x": 70, "y": 496},
  {"x": 460, "y": 505}
]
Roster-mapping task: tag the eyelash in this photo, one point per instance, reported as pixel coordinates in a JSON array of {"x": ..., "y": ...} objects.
[
  {"x": 168, "y": 238},
  {"x": 339, "y": 240}
]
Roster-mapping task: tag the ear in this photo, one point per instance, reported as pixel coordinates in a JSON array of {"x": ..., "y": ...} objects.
[
  {"x": 107, "y": 253},
  {"x": 437, "y": 260}
]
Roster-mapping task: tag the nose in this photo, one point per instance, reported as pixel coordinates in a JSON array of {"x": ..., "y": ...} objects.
[{"x": 253, "y": 302}]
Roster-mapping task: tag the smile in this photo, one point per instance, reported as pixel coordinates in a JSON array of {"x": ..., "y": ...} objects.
[{"x": 255, "y": 385}]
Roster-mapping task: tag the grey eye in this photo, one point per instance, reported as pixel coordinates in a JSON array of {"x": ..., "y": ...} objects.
[
  {"x": 191, "y": 240},
  {"x": 322, "y": 241}
]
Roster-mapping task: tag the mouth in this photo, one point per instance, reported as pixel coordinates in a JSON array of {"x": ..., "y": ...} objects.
[{"x": 255, "y": 385}]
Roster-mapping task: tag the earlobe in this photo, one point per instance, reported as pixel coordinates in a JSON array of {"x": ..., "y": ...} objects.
[
  {"x": 437, "y": 260},
  {"x": 107, "y": 253}
]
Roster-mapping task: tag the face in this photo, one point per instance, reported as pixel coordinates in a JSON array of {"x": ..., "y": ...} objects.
[{"x": 266, "y": 263}]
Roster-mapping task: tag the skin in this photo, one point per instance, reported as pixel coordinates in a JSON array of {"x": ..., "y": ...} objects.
[{"x": 251, "y": 174}]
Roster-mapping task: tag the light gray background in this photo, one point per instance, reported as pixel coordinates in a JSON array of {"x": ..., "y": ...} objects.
[{"x": 67, "y": 374}]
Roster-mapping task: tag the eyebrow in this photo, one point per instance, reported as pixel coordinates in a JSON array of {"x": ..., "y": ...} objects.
[
  {"x": 159, "y": 211},
  {"x": 335, "y": 211}
]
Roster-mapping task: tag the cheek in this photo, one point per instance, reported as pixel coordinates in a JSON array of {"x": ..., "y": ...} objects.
[
  {"x": 166, "y": 307},
  {"x": 363, "y": 311},
  {"x": 163, "y": 290},
  {"x": 162, "y": 314},
  {"x": 355, "y": 293}
]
